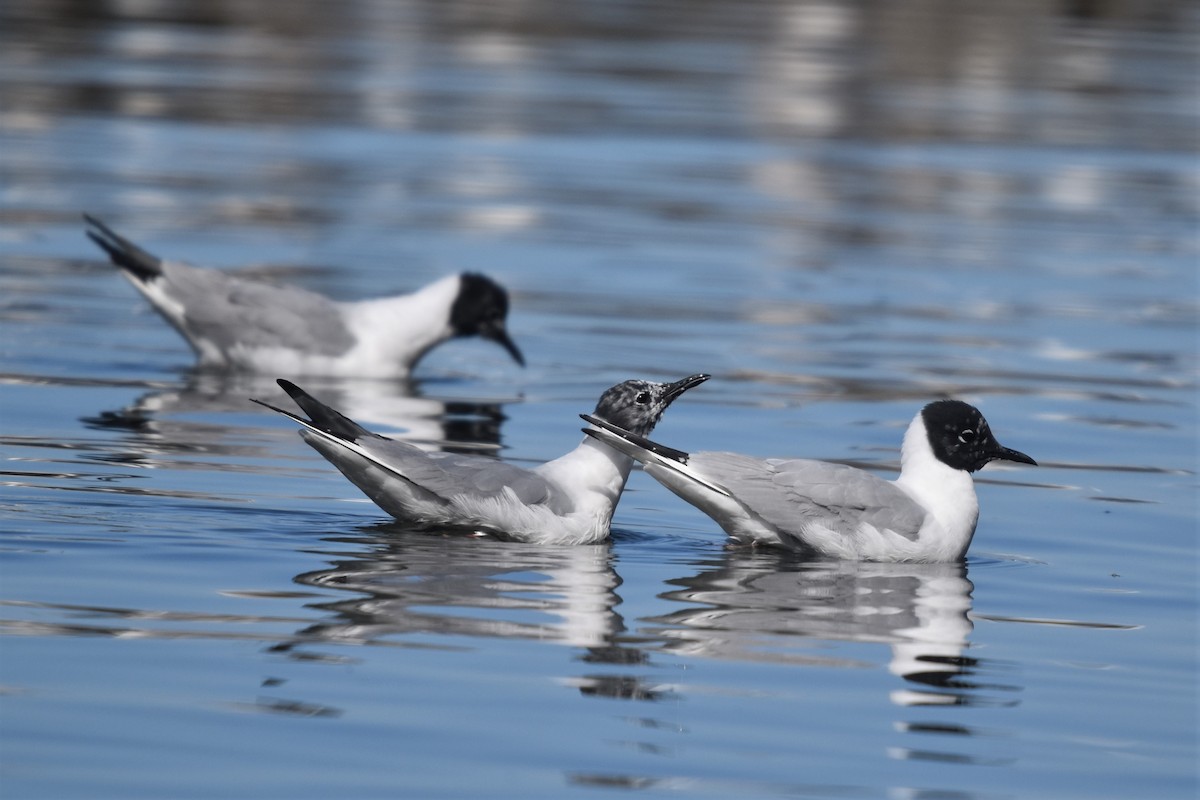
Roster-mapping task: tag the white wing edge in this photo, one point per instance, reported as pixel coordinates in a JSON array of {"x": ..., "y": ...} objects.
[
  {"x": 615, "y": 438},
  {"x": 353, "y": 447}
]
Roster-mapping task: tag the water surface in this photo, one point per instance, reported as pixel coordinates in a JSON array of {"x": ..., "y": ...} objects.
[{"x": 841, "y": 211}]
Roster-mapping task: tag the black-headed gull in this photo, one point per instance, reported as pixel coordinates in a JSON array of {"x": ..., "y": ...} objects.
[
  {"x": 250, "y": 325},
  {"x": 928, "y": 514}
]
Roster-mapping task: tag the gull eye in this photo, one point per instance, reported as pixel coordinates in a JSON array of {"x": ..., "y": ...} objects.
[
  {"x": 642, "y": 398},
  {"x": 967, "y": 436}
]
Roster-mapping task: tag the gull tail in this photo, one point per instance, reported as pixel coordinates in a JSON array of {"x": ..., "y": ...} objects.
[
  {"x": 124, "y": 253},
  {"x": 654, "y": 456},
  {"x": 323, "y": 419},
  {"x": 337, "y": 437}
]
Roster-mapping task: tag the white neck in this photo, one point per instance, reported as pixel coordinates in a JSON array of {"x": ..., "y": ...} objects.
[
  {"x": 403, "y": 328},
  {"x": 593, "y": 474},
  {"x": 947, "y": 494}
]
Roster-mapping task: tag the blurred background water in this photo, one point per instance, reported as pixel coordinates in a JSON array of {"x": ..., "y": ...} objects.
[{"x": 841, "y": 210}]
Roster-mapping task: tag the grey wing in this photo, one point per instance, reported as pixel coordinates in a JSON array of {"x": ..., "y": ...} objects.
[
  {"x": 228, "y": 310},
  {"x": 448, "y": 474},
  {"x": 790, "y": 493}
]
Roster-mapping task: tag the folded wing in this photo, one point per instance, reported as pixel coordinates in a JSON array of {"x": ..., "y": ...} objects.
[
  {"x": 217, "y": 311},
  {"x": 230, "y": 311},
  {"x": 409, "y": 482},
  {"x": 455, "y": 478},
  {"x": 793, "y": 494}
]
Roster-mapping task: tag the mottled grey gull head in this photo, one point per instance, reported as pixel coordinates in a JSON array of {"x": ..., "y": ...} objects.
[
  {"x": 960, "y": 437},
  {"x": 637, "y": 405},
  {"x": 481, "y": 309}
]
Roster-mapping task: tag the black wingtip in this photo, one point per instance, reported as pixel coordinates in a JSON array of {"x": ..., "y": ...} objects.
[
  {"x": 321, "y": 416},
  {"x": 292, "y": 389},
  {"x": 122, "y": 252},
  {"x": 640, "y": 441}
]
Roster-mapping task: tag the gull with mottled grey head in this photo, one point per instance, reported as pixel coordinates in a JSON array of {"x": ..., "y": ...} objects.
[{"x": 569, "y": 500}]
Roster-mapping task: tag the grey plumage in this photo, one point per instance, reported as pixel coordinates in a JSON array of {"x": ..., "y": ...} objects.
[
  {"x": 228, "y": 310},
  {"x": 794, "y": 493},
  {"x": 437, "y": 476},
  {"x": 569, "y": 500}
]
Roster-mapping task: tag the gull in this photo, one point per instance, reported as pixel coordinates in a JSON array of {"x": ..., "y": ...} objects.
[
  {"x": 248, "y": 325},
  {"x": 569, "y": 500},
  {"x": 928, "y": 514}
]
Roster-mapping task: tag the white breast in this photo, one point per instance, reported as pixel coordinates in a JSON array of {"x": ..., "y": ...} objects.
[{"x": 947, "y": 494}]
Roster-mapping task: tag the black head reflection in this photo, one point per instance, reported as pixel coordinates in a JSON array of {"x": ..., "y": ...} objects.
[{"x": 194, "y": 419}]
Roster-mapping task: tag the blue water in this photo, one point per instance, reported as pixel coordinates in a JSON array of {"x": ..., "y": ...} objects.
[{"x": 840, "y": 212}]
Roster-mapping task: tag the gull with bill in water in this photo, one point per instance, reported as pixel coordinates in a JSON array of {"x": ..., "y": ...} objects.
[{"x": 242, "y": 324}]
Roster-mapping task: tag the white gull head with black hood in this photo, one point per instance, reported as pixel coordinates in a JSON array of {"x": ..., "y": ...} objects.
[{"x": 569, "y": 500}]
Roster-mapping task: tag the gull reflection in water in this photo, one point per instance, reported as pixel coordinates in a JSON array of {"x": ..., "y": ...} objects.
[
  {"x": 420, "y": 583},
  {"x": 410, "y": 583},
  {"x": 752, "y": 605},
  {"x": 195, "y": 418}
]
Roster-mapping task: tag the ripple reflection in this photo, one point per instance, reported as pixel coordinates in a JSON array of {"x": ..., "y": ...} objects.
[
  {"x": 768, "y": 607},
  {"x": 422, "y": 584}
]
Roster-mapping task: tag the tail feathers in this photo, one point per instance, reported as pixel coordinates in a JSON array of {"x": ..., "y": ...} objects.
[
  {"x": 325, "y": 417},
  {"x": 641, "y": 441},
  {"x": 333, "y": 435},
  {"x": 124, "y": 253},
  {"x": 387, "y": 495},
  {"x": 321, "y": 416}
]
